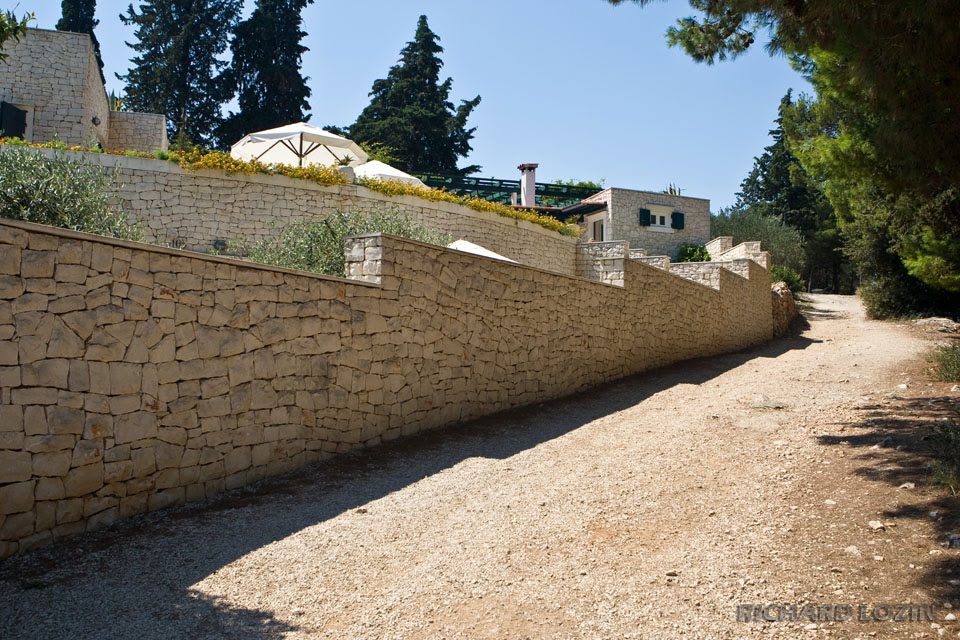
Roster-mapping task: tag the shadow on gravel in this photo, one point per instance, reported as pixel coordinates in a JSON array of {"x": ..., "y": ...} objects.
[
  {"x": 812, "y": 310},
  {"x": 135, "y": 580},
  {"x": 893, "y": 445}
]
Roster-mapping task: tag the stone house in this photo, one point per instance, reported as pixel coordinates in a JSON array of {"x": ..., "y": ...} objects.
[
  {"x": 657, "y": 223},
  {"x": 51, "y": 89}
]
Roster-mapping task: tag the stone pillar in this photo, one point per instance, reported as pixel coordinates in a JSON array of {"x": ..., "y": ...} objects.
[{"x": 363, "y": 256}]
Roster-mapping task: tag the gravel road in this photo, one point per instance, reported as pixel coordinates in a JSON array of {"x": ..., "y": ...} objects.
[{"x": 649, "y": 508}]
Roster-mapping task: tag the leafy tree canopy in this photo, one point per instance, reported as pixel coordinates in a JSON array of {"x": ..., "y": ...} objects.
[
  {"x": 178, "y": 69},
  {"x": 410, "y": 111},
  {"x": 587, "y": 184},
  {"x": 11, "y": 28}
]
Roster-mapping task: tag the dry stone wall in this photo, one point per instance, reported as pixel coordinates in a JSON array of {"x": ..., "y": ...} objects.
[
  {"x": 49, "y": 73},
  {"x": 706, "y": 273},
  {"x": 196, "y": 209},
  {"x": 130, "y": 130},
  {"x": 55, "y": 77},
  {"x": 784, "y": 308},
  {"x": 134, "y": 377}
]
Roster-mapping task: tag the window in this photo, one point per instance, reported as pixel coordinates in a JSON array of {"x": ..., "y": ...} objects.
[{"x": 660, "y": 218}]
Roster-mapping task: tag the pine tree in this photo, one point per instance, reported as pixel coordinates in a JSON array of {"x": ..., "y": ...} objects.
[
  {"x": 779, "y": 187},
  {"x": 410, "y": 111},
  {"x": 177, "y": 72},
  {"x": 265, "y": 70},
  {"x": 78, "y": 16}
]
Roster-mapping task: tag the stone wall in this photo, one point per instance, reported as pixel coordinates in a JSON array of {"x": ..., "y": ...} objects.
[
  {"x": 602, "y": 261},
  {"x": 623, "y": 222},
  {"x": 745, "y": 250},
  {"x": 706, "y": 273},
  {"x": 195, "y": 209},
  {"x": 660, "y": 262},
  {"x": 54, "y": 75},
  {"x": 784, "y": 308},
  {"x": 719, "y": 245},
  {"x": 134, "y": 377},
  {"x": 137, "y": 131},
  {"x": 50, "y": 72}
]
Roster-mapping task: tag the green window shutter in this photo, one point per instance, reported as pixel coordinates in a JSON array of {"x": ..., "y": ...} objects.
[
  {"x": 676, "y": 220},
  {"x": 644, "y": 217}
]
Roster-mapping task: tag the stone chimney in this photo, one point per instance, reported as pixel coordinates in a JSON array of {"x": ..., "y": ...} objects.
[{"x": 528, "y": 184}]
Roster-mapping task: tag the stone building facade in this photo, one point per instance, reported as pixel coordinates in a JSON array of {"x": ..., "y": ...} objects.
[
  {"x": 53, "y": 78},
  {"x": 657, "y": 223}
]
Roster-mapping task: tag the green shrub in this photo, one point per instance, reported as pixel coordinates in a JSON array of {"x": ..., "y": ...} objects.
[
  {"x": 781, "y": 273},
  {"x": 947, "y": 362},
  {"x": 317, "y": 245},
  {"x": 692, "y": 253},
  {"x": 60, "y": 192}
]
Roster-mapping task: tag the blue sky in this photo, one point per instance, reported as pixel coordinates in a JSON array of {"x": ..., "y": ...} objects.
[{"x": 588, "y": 90}]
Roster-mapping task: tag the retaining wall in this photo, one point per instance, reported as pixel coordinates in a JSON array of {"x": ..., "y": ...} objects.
[
  {"x": 135, "y": 377},
  {"x": 193, "y": 209}
]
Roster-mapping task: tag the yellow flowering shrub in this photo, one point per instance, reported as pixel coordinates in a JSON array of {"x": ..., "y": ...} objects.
[{"x": 195, "y": 159}]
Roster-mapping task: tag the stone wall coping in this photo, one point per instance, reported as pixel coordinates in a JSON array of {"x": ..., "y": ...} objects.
[
  {"x": 165, "y": 166},
  {"x": 609, "y": 190},
  {"x": 135, "y": 114},
  {"x": 179, "y": 253},
  {"x": 57, "y": 31},
  {"x": 499, "y": 263}
]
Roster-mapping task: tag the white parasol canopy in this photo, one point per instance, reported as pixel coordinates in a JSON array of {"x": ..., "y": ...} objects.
[
  {"x": 298, "y": 145},
  {"x": 382, "y": 171}
]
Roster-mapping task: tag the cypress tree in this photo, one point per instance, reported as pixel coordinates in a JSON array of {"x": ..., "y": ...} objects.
[
  {"x": 78, "y": 16},
  {"x": 265, "y": 70},
  {"x": 177, "y": 72},
  {"x": 410, "y": 111}
]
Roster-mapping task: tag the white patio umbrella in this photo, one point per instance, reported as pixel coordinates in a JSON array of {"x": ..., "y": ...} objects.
[
  {"x": 299, "y": 145},
  {"x": 382, "y": 171}
]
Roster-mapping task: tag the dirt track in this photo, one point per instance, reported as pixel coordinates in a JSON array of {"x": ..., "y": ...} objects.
[{"x": 648, "y": 509}]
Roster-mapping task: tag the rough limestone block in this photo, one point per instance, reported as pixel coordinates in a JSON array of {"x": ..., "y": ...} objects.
[
  {"x": 49, "y": 489},
  {"x": 132, "y": 427},
  {"x": 15, "y": 466},
  {"x": 17, "y": 497},
  {"x": 17, "y": 526},
  {"x": 83, "y": 481},
  {"x": 64, "y": 420},
  {"x": 87, "y": 452}
]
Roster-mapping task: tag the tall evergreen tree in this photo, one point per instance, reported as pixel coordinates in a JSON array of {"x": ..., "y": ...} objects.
[
  {"x": 78, "y": 16},
  {"x": 410, "y": 111},
  {"x": 779, "y": 186},
  {"x": 265, "y": 70},
  {"x": 177, "y": 72}
]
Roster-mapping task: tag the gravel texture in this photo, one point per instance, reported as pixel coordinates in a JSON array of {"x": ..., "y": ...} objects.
[{"x": 649, "y": 508}]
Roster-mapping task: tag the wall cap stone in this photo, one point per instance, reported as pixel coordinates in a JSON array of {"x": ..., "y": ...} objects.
[{"x": 180, "y": 253}]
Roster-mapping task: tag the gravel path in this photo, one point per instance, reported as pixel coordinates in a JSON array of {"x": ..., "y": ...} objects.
[{"x": 647, "y": 509}]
